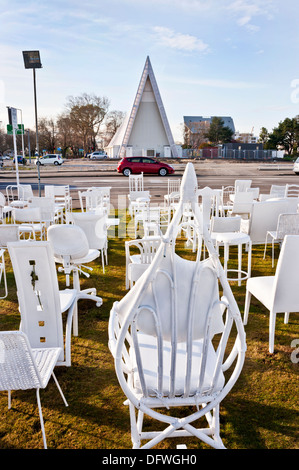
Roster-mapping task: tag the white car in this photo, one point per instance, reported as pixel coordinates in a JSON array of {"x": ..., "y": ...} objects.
[
  {"x": 97, "y": 155},
  {"x": 50, "y": 159},
  {"x": 296, "y": 166}
]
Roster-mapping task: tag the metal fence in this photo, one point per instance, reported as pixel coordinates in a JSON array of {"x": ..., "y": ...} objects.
[{"x": 231, "y": 154}]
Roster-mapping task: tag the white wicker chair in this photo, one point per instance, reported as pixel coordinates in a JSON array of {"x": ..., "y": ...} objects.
[
  {"x": 161, "y": 334},
  {"x": 278, "y": 293},
  {"x": 25, "y": 368}
]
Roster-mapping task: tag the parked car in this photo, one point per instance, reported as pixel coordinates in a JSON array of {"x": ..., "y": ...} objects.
[
  {"x": 50, "y": 159},
  {"x": 144, "y": 165},
  {"x": 296, "y": 166},
  {"x": 21, "y": 160},
  {"x": 99, "y": 155}
]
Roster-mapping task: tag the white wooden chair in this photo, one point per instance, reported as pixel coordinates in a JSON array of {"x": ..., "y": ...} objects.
[
  {"x": 161, "y": 332},
  {"x": 71, "y": 250},
  {"x": 242, "y": 185},
  {"x": 278, "y": 293},
  {"x": 95, "y": 228},
  {"x": 23, "y": 368},
  {"x": 173, "y": 191},
  {"x": 139, "y": 255},
  {"x": 41, "y": 303},
  {"x": 50, "y": 213}
]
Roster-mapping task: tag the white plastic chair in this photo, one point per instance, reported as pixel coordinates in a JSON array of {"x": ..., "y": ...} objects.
[
  {"x": 278, "y": 293},
  {"x": 50, "y": 214},
  {"x": 160, "y": 335},
  {"x": 288, "y": 224},
  {"x": 41, "y": 303},
  {"x": 25, "y": 368},
  {"x": 19, "y": 195},
  {"x": 139, "y": 255},
  {"x": 30, "y": 222},
  {"x": 6, "y": 209},
  {"x": 95, "y": 229},
  {"x": 71, "y": 250}
]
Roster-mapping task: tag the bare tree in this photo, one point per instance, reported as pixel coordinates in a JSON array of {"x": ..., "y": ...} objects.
[
  {"x": 87, "y": 113},
  {"x": 113, "y": 121}
]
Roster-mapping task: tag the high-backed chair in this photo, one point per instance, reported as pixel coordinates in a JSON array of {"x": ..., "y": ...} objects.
[
  {"x": 71, "y": 250},
  {"x": 41, "y": 303},
  {"x": 169, "y": 339},
  {"x": 278, "y": 293},
  {"x": 23, "y": 368},
  {"x": 139, "y": 255}
]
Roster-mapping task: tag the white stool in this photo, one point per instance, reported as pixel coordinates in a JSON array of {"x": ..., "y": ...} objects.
[{"x": 228, "y": 239}]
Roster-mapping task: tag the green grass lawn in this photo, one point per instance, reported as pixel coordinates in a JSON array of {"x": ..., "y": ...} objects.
[{"x": 261, "y": 411}]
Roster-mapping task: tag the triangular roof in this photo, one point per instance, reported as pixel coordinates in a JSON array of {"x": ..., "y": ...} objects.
[{"x": 123, "y": 134}]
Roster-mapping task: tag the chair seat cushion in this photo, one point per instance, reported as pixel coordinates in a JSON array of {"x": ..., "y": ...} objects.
[{"x": 149, "y": 360}]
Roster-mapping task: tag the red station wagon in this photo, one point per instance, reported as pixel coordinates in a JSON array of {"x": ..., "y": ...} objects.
[{"x": 144, "y": 165}]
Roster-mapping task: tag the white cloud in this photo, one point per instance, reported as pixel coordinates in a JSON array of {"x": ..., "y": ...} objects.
[
  {"x": 247, "y": 12},
  {"x": 184, "y": 42}
]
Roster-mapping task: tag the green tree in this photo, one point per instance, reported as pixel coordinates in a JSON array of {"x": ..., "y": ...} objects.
[
  {"x": 218, "y": 133},
  {"x": 264, "y": 136},
  {"x": 285, "y": 136}
]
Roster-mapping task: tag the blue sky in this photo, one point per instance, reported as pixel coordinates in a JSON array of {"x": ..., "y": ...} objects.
[{"x": 235, "y": 58}]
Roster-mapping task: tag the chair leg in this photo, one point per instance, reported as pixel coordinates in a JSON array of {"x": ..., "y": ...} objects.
[
  {"x": 41, "y": 418},
  {"x": 272, "y": 322},
  {"x": 246, "y": 308},
  {"x": 286, "y": 317},
  {"x": 59, "y": 388}
]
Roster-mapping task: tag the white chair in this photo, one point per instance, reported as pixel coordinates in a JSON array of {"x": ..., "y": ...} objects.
[
  {"x": 62, "y": 198},
  {"x": 95, "y": 229},
  {"x": 30, "y": 222},
  {"x": 288, "y": 224},
  {"x": 242, "y": 185},
  {"x": 278, "y": 293},
  {"x": 8, "y": 233},
  {"x": 136, "y": 183},
  {"x": 173, "y": 191},
  {"x": 160, "y": 335},
  {"x": 292, "y": 190},
  {"x": 25, "y": 368},
  {"x": 255, "y": 191},
  {"x": 242, "y": 204},
  {"x": 71, "y": 250},
  {"x": 94, "y": 199},
  {"x": 41, "y": 303},
  {"x": 50, "y": 214},
  {"x": 225, "y": 202},
  {"x": 19, "y": 195},
  {"x": 139, "y": 255},
  {"x": 6, "y": 209},
  {"x": 149, "y": 217}
]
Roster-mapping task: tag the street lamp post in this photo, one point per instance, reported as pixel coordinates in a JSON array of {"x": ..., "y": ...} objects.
[{"x": 32, "y": 61}]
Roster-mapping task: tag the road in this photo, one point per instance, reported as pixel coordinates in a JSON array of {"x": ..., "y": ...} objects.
[{"x": 81, "y": 174}]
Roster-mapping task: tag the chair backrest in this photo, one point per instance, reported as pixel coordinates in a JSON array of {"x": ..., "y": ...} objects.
[
  {"x": 2, "y": 199},
  {"x": 18, "y": 370},
  {"x": 264, "y": 217},
  {"x": 292, "y": 190},
  {"x": 255, "y": 191},
  {"x": 28, "y": 214},
  {"x": 94, "y": 227},
  {"x": 173, "y": 186},
  {"x": 47, "y": 207},
  {"x": 288, "y": 224},
  {"x": 136, "y": 183},
  {"x": 68, "y": 240},
  {"x": 242, "y": 185},
  {"x": 226, "y": 192},
  {"x": 8, "y": 233},
  {"x": 38, "y": 293},
  {"x": 277, "y": 190},
  {"x": 285, "y": 289},
  {"x": 242, "y": 203},
  {"x": 225, "y": 224}
]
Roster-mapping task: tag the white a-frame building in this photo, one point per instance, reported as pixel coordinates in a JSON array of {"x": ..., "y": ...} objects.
[{"x": 145, "y": 131}]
